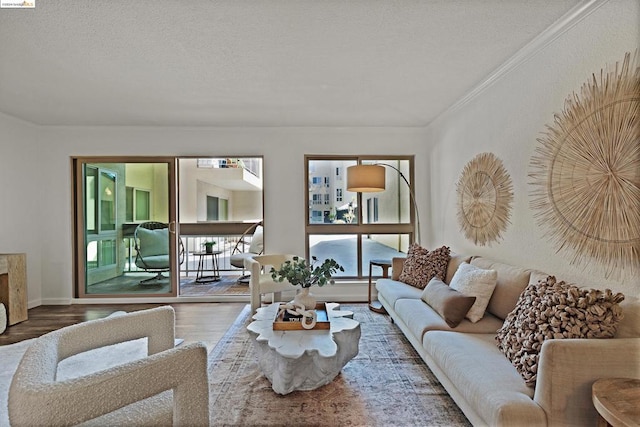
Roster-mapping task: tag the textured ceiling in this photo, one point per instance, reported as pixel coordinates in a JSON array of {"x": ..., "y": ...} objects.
[{"x": 256, "y": 63}]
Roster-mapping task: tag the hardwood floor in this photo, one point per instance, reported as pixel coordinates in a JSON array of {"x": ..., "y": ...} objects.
[{"x": 205, "y": 322}]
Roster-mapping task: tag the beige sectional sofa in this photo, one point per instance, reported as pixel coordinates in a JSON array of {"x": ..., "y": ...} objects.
[{"x": 480, "y": 378}]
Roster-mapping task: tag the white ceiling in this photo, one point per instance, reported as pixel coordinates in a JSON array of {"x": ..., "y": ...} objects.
[{"x": 256, "y": 63}]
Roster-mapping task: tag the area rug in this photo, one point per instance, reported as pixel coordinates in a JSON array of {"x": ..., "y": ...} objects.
[{"x": 387, "y": 384}]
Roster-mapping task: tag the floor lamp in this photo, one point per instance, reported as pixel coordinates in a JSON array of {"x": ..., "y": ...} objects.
[{"x": 371, "y": 179}]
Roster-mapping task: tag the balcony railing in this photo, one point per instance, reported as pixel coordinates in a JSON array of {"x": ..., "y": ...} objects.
[{"x": 225, "y": 234}]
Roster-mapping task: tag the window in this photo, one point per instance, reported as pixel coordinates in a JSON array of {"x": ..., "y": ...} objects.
[
  {"x": 316, "y": 180},
  {"x": 359, "y": 226},
  {"x": 100, "y": 212},
  {"x": 375, "y": 209},
  {"x": 326, "y": 181},
  {"x": 138, "y": 204}
]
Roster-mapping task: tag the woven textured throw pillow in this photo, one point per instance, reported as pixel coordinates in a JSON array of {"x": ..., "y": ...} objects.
[
  {"x": 555, "y": 310},
  {"x": 422, "y": 265}
]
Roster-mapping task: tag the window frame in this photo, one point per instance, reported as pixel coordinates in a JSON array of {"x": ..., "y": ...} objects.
[{"x": 359, "y": 229}]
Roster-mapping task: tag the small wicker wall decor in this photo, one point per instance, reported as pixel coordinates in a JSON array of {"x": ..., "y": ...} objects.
[
  {"x": 586, "y": 173},
  {"x": 485, "y": 193}
]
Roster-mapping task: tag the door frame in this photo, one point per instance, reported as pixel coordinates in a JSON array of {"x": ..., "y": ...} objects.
[{"x": 78, "y": 227}]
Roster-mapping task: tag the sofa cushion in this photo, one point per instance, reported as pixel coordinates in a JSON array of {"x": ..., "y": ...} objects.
[
  {"x": 393, "y": 290},
  {"x": 154, "y": 262},
  {"x": 484, "y": 377},
  {"x": 476, "y": 282},
  {"x": 257, "y": 241},
  {"x": 509, "y": 285},
  {"x": 422, "y": 265},
  {"x": 153, "y": 242},
  {"x": 420, "y": 318},
  {"x": 450, "y": 304},
  {"x": 629, "y": 326},
  {"x": 454, "y": 262},
  {"x": 555, "y": 310}
]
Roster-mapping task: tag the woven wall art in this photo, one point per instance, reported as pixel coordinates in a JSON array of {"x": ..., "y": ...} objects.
[
  {"x": 586, "y": 173},
  {"x": 485, "y": 193}
]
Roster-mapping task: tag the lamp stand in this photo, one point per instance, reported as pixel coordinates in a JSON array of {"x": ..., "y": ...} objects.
[{"x": 371, "y": 178}]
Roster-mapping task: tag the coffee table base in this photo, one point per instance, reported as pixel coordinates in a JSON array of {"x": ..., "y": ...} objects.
[
  {"x": 308, "y": 372},
  {"x": 303, "y": 360}
]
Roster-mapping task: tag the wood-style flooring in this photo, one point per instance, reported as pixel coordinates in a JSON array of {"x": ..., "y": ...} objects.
[{"x": 206, "y": 322}]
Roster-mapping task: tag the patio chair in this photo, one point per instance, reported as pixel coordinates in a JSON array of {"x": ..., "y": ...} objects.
[
  {"x": 255, "y": 247},
  {"x": 152, "y": 250}
]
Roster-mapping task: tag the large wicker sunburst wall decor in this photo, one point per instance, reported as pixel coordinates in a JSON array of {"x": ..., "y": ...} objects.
[
  {"x": 485, "y": 193},
  {"x": 586, "y": 173}
]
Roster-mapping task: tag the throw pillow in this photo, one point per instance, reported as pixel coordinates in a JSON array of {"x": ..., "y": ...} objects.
[
  {"x": 422, "y": 265},
  {"x": 475, "y": 282},
  {"x": 257, "y": 241},
  {"x": 555, "y": 310},
  {"x": 450, "y": 304},
  {"x": 153, "y": 242}
]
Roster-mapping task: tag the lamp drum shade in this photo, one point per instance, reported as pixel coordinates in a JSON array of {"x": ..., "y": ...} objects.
[{"x": 365, "y": 178}]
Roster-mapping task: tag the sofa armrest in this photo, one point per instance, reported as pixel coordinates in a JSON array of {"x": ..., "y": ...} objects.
[
  {"x": 568, "y": 368},
  {"x": 396, "y": 267}
]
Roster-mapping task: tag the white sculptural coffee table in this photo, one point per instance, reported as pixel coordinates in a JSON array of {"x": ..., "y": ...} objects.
[{"x": 306, "y": 359}]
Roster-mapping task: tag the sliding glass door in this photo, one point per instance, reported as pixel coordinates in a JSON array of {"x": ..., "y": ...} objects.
[{"x": 125, "y": 216}]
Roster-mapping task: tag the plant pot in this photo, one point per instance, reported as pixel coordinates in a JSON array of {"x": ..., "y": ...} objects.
[
  {"x": 208, "y": 249},
  {"x": 304, "y": 297}
]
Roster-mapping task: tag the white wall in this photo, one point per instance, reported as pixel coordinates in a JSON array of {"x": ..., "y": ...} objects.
[
  {"x": 506, "y": 119},
  {"x": 21, "y": 207},
  {"x": 283, "y": 150},
  {"x": 246, "y": 205},
  {"x": 35, "y": 173}
]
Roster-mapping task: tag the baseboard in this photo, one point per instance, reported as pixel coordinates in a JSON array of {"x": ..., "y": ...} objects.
[{"x": 344, "y": 292}]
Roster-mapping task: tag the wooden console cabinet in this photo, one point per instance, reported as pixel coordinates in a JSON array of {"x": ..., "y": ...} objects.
[{"x": 13, "y": 286}]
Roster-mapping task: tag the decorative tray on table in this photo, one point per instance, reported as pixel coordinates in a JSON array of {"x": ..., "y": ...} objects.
[{"x": 287, "y": 322}]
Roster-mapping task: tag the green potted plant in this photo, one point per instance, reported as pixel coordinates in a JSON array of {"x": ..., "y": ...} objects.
[
  {"x": 305, "y": 274},
  {"x": 208, "y": 246}
]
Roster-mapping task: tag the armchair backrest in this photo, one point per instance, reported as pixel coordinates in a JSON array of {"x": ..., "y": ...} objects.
[
  {"x": 272, "y": 260},
  {"x": 260, "y": 281},
  {"x": 152, "y": 242},
  {"x": 120, "y": 392},
  {"x": 257, "y": 241}
]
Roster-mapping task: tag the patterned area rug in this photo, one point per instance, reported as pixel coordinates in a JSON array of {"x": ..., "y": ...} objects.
[{"x": 387, "y": 384}]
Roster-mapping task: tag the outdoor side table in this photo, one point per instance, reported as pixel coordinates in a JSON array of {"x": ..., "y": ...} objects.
[{"x": 200, "y": 276}]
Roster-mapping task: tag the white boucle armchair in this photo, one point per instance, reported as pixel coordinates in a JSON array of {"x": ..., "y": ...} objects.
[{"x": 134, "y": 393}]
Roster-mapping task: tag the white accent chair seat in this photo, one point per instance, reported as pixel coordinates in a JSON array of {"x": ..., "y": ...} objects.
[
  {"x": 261, "y": 283},
  {"x": 134, "y": 393}
]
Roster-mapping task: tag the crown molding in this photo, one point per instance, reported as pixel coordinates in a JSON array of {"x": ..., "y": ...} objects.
[{"x": 531, "y": 49}]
